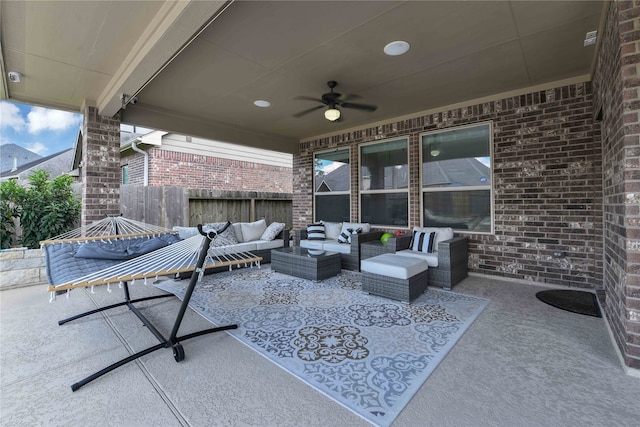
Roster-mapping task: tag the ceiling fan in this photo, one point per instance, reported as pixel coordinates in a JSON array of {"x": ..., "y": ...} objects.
[{"x": 332, "y": 100}]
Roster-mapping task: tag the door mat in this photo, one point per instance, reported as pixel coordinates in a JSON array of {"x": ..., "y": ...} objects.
[{"x": 580, "y": 302}]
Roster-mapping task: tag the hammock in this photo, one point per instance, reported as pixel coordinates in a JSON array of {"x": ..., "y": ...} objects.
[
  {"x": 193, "y": 254},
  {"x": 176, "y": 258},
  {"x": 100, "y": 254},
  {"x": 109, "y": 228}
]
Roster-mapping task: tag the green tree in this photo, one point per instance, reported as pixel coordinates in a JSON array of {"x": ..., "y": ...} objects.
[
  {"x": 46, "y": 208},
  {"x": 10, "y": 195}
]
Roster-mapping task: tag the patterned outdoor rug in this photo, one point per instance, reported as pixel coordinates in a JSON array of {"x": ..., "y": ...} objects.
[{"x": 368, "y": 353}]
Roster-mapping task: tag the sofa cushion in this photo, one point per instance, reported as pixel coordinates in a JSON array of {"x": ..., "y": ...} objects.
[
  {"x": 431, "y": 258},
  {"x": 422, "y": 241},
  {"x": 313, "y": 244},
  {"x": 272, "y": 231},
  {"x": 252, "y": 230},
  {"x": 442, "y": 234},
  {"x": 237, "y": 230},
  {"x": 392, "y": 265},
  {"x": 332, "y": 230},
  {"x": 335, "y": 246},
  {"x": 232, "y": 249},
  {"x": 315, "y": 231},
  {"x": 269, "y": 244}
]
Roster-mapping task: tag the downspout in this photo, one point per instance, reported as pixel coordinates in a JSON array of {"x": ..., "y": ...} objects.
[{"x": 146, "y": 162}]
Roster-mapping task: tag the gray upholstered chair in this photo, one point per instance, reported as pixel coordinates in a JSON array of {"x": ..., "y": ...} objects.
[{"x": 447, "y": 267}]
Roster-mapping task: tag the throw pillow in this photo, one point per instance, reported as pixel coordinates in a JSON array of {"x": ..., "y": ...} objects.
[
  {"x": 315, "y": 231},
  {"x": 272, "y": 231},
  {"x": 442, "y": 234},
  {"x": 226, "y": 238},
  {"x": 253, "y": 230},
  {"x": 423, "y": 241},
  {"x": 345, "y": 235}
]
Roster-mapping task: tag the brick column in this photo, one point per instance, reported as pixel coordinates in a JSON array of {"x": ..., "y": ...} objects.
[{"x": 100, "y": 173}]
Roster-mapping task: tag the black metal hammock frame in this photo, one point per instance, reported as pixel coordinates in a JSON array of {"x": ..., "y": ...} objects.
[{"x": 173, "y": 341}]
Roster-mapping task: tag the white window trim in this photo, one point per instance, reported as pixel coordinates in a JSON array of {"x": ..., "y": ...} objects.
[
  {"x": 334, "y": 193},
  {"x": 467, "y": 188},
  {"x": 385, "y": 191}
]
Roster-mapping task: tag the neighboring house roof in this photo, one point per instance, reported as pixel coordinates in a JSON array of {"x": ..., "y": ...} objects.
[
  {"x": 10, "y": 151},
  {"x": 456, "y": 172},
  {"x": 338, "y": 179},
  {"x": 444, "y": 173},
  {"x": 56, "y": 164}
]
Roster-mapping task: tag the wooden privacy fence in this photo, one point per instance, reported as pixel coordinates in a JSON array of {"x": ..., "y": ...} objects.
[{"x": 176, "y": 206}]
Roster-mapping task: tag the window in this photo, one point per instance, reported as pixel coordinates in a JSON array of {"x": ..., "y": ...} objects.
[
  {"x": 456, "y": 178},
  {"x": 384, "y": 183},
  {"x": 332, "y": 186},
  {"x": 125, "y": 174}
]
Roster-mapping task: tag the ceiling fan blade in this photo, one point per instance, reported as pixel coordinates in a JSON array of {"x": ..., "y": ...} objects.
[
  {"x": 365, "y": 107},
  {"x": 307, "y": 98},
  {"x": 302, "y": 113}
]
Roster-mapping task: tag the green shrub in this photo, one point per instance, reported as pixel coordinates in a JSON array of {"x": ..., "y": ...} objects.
[
  {"x": 46, "y": 208},
  {"x": 10, "y": 194}
]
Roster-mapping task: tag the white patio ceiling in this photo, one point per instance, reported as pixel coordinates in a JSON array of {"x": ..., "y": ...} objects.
[{"x": 78, "y": 53}]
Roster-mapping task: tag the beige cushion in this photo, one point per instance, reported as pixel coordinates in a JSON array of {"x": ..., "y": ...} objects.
[
  {"x": 335, "y": 246},
  {"x": 312, "y": 244},
  {"x": 431, "y": 258},
  {"x": 252, "y": 230},
  {"x": 392, "y": 265},
  {"x": 332, "y": 230}
]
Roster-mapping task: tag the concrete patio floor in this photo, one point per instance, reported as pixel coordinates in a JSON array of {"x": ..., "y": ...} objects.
[{"x": 522, "y": 363}]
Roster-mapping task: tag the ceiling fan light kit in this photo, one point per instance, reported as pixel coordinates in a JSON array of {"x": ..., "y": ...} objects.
[
  {"x": 332, "y": 114},
  {"x": 333, "y": 100}
]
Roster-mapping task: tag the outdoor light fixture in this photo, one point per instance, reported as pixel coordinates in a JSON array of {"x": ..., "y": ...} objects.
[
  {"x": 262, "y": 103},
  {"x": 332, "y": 114},
  {"x": 396, "y": 48},
  {"x": 14, "y": 77},
  {"x": 435, "y": 152}
]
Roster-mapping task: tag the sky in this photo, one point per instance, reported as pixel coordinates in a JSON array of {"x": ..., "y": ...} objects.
[{"x": 40, "y": 130}]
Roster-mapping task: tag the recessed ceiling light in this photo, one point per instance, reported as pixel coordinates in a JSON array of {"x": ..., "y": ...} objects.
[
  {"x": 262, "y": 103},
  {"x": 396, "y": 48}
]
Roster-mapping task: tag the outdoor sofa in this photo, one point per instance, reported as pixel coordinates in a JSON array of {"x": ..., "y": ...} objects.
[{"x": 349, "y": 250}]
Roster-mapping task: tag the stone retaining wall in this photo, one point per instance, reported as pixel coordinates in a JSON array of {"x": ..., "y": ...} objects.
[{"x": 21, "y": 267}]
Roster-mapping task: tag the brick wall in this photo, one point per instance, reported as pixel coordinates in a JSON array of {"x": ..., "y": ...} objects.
[
  {"x": 616, "y": 95},
  {"x": 547, "y": 183},
  {"x": 206, "y": 172},
  {"x": 100, "y": 174}
]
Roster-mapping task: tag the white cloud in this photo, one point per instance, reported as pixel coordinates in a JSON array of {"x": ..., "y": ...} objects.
[
  {"x": 37, "y": 147},
  {"x": 40, "y": 119},
  {"x": 10, "y": 117}
]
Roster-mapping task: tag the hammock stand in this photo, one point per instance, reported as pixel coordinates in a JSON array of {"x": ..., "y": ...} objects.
[{"x": 173, "y": 340}]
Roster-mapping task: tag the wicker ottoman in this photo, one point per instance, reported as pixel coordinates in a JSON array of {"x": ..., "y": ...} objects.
[{"x": 393, "y": 276}]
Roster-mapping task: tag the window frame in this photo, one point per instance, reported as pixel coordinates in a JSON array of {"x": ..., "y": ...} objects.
[
  {"x": 424, "y": 189},
  {"x": 332, "y": 193},
  {"x": 406, "y": 190}
]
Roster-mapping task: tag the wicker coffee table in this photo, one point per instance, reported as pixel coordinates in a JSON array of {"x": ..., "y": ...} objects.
[{"x": 308, "y": 264}]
